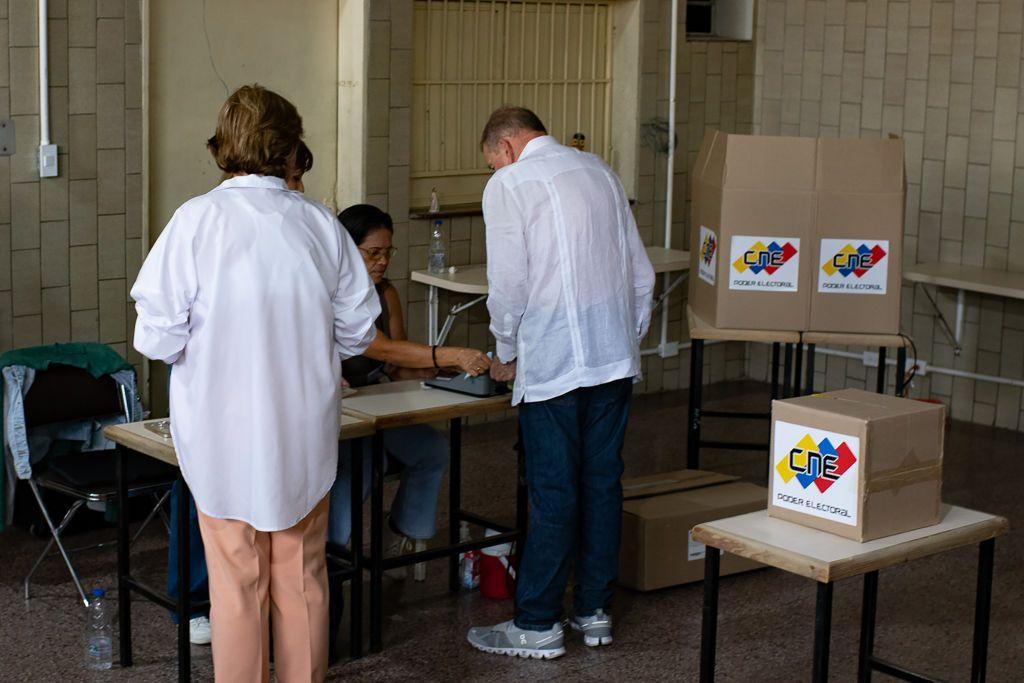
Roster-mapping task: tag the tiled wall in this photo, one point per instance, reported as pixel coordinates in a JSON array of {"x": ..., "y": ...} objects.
[
  {"x": 70, "y": 246},
  {"x": 945, "y": 76}
]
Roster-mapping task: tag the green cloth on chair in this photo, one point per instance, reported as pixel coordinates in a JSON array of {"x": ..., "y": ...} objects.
[{"x": 96, "y": 359}]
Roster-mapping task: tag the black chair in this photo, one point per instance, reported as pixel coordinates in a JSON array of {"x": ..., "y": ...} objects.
[{"x": 64, "y": 393}]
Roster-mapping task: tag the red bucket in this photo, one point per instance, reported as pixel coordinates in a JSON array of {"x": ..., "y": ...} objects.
[{"x": 497, "y": 573}]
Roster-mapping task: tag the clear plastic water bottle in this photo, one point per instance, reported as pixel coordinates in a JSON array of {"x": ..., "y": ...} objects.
[
  {"x": 99, "y": 633},
  {"x": 435, "y": 262},
  {"x": 469, "y": 564}
]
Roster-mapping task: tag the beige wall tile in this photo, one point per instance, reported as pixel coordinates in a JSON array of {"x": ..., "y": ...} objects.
[
  {"x": 110, "y": 51},
  {"x": 997, "y": 233},
  {"x": 941, "y": 28},
  {"x": 111, "y": 247},
  {"x": 959, "y": 122},
  {"x": 57, "y": 52},
  {"x": 27, "y": 331},
  {"x": 973, "y": 246},
  {"x": 987, "y": 29},
  {"x": 85, "y": 325},
  {"x": 110, "y": 116},
  {"x": 920, "y": 12},
  {"x": 133, "y": 140},
  {"x": 82, "y": 80},
  {"x": 775, "y": 25},
  {"x": 84, "y": 282},
  {"x": 963, "y": 57},
  {"x": 24, "y": 81},
  {"x": 1002, "y": 165},
  {"x": 977, "y": 189},
  {"x": 811, "y": 75},
  {"x": 915, "y": 105},
  {"x": 26, "y": 284},
  {"x": 82, "y": 23},
  {"x": 110, "y": 177},
  {"x": 82, "y": 199},
  {"x": 23, "y": 164},
  {"x": 956, "y": 162},
  {"x": 984, "y": 84},
  {"x": 113, "y": 318},
  {"x": 935, "y": 133},
  {"x": 56, "y": 315},
  {"x": 938, "y": 82},
  {"x": 1008, "y": 59},
  {"x": 871, "y": 111},
  {"x": 897, "y": 27},
  {"x": 917, "y": 53},
  {"x": 25, "y": 216},
  {"x": 874, "y": 53},
  {"x": 980, "y": 149},
  {"x": 814, "y": 25},
  {"x": 133, "y": 205},
  {"x": 22, "y": 15},
  {"x": 54, "y": 254},
  {"x": 932, "y": 174},
  {"x": 834, "y": 40},
  {"x": 849, "y": 120},
  {"x": 1004, "y": 123},
  {"x": 110, "y": 8},
  {"x": 853, "y": 77},
  {"x": 82, "y": 156},
  {"x": 856, "y": 14}
]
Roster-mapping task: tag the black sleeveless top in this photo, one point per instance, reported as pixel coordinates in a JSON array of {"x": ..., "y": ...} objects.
[{"x": 360, "y": 371}]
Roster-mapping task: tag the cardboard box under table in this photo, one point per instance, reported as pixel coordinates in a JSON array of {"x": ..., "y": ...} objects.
[
  {"x": 856, "y": 464},
  {"x": 798, "y": 233},
  {"x": 658, "y": 512}
]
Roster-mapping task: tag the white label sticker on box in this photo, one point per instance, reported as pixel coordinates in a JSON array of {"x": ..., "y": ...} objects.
[
  {"x": 764, "y": 264},
  {"x": 853, "y": 266},
  {"x": 695, "y": 550},
  {"x": 708, "y": 255},
  {"x": 815, "y": 472}
]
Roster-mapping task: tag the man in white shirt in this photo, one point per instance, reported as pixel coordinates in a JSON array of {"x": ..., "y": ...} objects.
[{"x": 569, "y": 296}]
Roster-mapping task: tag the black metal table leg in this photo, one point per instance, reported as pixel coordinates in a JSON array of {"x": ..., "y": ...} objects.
[
  {"x": 775, "y": 370},
  {"x": 867, "y": 627},
  {"x": 356, "y": 586},
  {"x": 124, "y": 597},
  {"x": 809, "y": 382},
  {"x": 797, "y": 367},
  {"x": 787, "y": 370},
  {"x": 377, "y": 543},
  {"x": 454, "y": 498},
  {"x": 880, "y": 384},
  {"x": 184, "y": 580},
  {"x": 982, "y": 609},
  {"x": 693, "y": 424},
  {"x": 709, "y": 626},
  {"x": 901, "y": 370},
  {"x": 822, "y": 633}
]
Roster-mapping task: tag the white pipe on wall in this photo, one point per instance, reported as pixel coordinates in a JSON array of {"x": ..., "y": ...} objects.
[
  {"x": 44, "y": 79},
  {"x": 670, "y": 166},
  {"x": 932, "y": 369}
]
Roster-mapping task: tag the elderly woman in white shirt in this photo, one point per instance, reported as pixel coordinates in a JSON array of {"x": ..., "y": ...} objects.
[{"x": 255, "y": 294}]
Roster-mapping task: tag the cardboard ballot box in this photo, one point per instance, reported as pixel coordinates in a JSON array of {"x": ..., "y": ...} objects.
[
  {"x": 658, "y": 513},
  {"x": 856, "y": 464},
  {"x": 797, "y": 233}
]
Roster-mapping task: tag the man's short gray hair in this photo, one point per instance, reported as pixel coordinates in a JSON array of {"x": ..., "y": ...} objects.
[{"x": 508, "y": 120}]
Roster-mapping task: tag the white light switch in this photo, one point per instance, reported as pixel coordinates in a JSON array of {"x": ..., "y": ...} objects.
[{"x": 48, "y": 161}]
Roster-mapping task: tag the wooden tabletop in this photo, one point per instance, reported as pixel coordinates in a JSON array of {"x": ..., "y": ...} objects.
[
  {"x": 970, "y": 278},
  {"x": 136, "y": 436},
  {"x": 473, "y": 279},
  {"x": 894, "y": 341},
  {"x": 702, "y": 330},
  {"x": 399, "y": 404},
  {"x": 825, "y": 557},
  {"x": 668, "y": 260}
]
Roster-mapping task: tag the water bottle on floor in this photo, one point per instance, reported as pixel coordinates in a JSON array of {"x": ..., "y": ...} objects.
[
  {"x": 435, "y": 262},
  {"x": 99, "y": 633}
]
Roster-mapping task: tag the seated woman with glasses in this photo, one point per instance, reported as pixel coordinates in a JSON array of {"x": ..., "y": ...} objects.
[{"x": 421, "y": 449}]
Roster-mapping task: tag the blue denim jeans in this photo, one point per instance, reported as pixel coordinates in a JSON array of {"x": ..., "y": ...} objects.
[
  {"x": 424, "y": 452},
  {"x": 199, "y": 586},
  {"x": 572, "y": 445}
]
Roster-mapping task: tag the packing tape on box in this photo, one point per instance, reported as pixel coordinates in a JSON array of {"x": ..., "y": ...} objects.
[{"x": 904, "y": 478}]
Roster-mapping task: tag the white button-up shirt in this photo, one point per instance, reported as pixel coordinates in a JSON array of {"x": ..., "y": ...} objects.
[
  {"x": 255, "y": 294},
  {"x": 569, "y": 281}
]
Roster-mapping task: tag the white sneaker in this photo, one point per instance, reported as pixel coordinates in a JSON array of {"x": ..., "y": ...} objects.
[{"x": 199, "y": 631}]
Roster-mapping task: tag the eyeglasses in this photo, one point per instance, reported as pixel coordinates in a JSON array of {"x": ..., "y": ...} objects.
[{"x": 379, "y": 253}]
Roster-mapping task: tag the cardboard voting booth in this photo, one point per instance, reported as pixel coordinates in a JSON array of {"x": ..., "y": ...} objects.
[
  {"x": 658, "y": 513},
  {"x": 798, "y": 233},
  {"x": 856, "y": 464}
]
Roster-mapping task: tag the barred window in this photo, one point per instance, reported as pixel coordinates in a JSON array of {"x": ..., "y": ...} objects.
[{"x": 471, "y": 56}]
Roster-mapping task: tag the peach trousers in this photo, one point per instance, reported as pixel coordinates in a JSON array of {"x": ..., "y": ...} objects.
[{"x": 256, "y": 574}]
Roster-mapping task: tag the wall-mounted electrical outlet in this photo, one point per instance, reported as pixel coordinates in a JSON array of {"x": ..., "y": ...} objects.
[
  {"x": 871, "y": 359},
  {"x": 47, "y": 161}
]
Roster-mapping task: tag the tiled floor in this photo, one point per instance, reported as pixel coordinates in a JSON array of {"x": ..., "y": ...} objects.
[{"x": 765, "y": 631}]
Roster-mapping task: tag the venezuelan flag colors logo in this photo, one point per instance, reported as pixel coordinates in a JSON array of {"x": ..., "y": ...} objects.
[
  {"x": 708, "y": 248},
  {"x": 819, "y": 463},
  {"x": 708, "y": 255},
  {"x": 764, "y": 257},
  {"x": 855, "y": 261}
]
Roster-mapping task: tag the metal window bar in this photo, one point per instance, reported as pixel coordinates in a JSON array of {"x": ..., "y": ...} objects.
[{"x": 450, "y": 80}]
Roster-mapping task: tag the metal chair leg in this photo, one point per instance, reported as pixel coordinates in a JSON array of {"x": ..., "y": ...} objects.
[
  {"x": 56, "y": 538},
  {"x": 152, "y": 513},
  {"x": 68, "y": 516}
]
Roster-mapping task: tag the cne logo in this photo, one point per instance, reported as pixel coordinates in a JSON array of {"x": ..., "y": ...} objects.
[
  {"x": 767, "y": 258},
  {"x": 708, "y": 248},
  {"x": 856, "y": 261},
  {"x": 819, "y": 463}
]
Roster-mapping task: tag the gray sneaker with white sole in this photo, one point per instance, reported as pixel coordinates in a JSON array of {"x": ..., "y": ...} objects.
[
  {"x": 508, "y": 639},
  {"x": 596, "y": 629}
]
